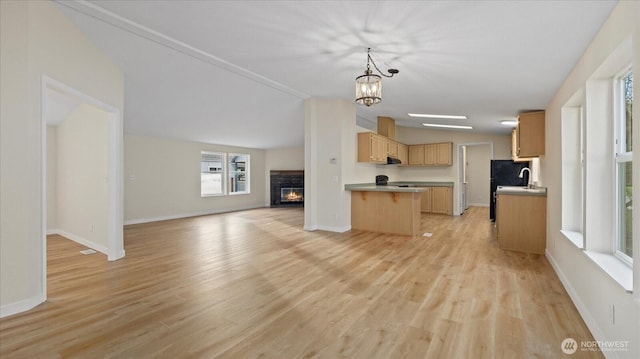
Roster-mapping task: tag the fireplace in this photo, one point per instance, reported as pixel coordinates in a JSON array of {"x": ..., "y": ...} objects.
[{"x": 287, "y": 188}]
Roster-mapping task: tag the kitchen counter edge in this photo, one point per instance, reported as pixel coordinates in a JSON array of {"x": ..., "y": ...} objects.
[
  {"x": 523, "y": 193},
  {"x": 394, "y": 186}
]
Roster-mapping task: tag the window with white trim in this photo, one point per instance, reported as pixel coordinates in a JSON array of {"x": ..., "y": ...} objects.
[
  {"x": 238, "y": 173},
  {"x": 623, "y": 158},
  {"x": 573, "y": 170},
  {"x": 212, "y": 173}
]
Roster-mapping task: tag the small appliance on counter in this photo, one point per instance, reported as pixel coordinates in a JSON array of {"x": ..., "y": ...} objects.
[{"x": 382, "y": 180}]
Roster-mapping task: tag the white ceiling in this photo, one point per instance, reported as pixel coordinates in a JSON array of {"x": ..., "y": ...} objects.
[{"x": 237, "y": 72}]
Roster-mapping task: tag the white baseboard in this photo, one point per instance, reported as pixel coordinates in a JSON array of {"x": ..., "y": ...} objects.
[
  {"x": 21, "y": 306},
  {"x": 598, "y": 334},
  {"x": 187, "y": 215},
  {"x": 334, "y": 229},
  {"x": 85, "y": 242},
  {"x": 120, "y": 255},
  {"x": 327, "y": 228},
  {"x": 52, "y": 231}
]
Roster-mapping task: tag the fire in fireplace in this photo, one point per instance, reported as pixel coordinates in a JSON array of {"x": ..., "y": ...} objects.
[{"x": 291, "y": 194}]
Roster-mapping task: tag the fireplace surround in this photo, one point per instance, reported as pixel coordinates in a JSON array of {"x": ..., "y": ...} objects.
[{"x": 287, "y": 188}]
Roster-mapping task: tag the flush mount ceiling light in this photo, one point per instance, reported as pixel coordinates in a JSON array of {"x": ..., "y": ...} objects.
[
  {"x": 509, "y": 122},
  {"x": 447, "y": 126},
  {"x": 369, "y": 85},
  {"x": 452, "y": 117}
]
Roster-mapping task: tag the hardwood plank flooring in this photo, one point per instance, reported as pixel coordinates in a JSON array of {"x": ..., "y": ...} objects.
[{"x": 253, "y": 284}]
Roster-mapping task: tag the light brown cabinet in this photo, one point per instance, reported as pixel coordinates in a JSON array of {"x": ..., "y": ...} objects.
[
  {"x": 529, "y": 135},
  {"x": 416, "y": 155},
  {"x": 431, "y": 154},
  {"x": 403, "y": 154},
  {"x": 521, "y": 223},
  {"x": 386, "y": 212},
  {"x": 372, "y": 148},
  {"x": 425, "y": 200},
  {"x": 387, "y": 127},
  {"x": 392, "y": 148},
  {"x": 437, "y": 200},
  {"x": 514, "y": 149},
  {"x": 441, "y": 200}
]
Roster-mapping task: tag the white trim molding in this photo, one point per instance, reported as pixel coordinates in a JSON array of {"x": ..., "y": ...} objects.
[
  {"x": 187, "y": 215},
  {"x": 21, "y": 306}
]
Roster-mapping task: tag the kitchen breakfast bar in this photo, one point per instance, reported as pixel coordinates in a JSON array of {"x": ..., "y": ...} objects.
[{"x": 386, "y": 209}]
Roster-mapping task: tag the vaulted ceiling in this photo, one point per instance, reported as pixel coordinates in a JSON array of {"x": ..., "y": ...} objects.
[{"x": 237, "y": 72}]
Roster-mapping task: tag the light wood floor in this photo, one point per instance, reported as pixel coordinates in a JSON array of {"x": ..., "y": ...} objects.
[{"x": 253, "y": 284}]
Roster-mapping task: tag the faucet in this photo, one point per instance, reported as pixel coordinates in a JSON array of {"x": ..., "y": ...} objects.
[{"x": 529, "y": 185}]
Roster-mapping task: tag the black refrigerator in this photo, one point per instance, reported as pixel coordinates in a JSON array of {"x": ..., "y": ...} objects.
[{"x": 505, "y": 173}]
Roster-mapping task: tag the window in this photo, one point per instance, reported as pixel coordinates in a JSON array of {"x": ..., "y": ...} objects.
[
  {"x": 211, "y": 174},
  {"x": 623, "y": 159},
  {"x": 573, "y": 169},
  {"x": 238, "y": 173}
]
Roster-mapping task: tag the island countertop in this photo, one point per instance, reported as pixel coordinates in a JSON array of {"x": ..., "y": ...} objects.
[{"x": 404, "y": 186}]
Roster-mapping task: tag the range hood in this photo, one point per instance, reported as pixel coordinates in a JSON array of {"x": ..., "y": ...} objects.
[{"x": 393, "y": 161}]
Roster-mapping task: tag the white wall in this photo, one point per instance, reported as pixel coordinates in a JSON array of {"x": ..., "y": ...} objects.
[
  {"x": 82, "y": 177},
  {"x": 162, "y": 180},
  {"x": 36, "y": 39},
  {"x": 329, "y": 133},
  {"x": 591, "y": 289},
  {"x": 291, "y": 158}
]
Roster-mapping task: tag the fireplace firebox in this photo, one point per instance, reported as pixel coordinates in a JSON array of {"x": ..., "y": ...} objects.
[
  {"x": 287, "y": 188},
  {"x": 291, "y": 195}
]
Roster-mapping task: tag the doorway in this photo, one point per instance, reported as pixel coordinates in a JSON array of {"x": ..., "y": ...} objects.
[
  {"x": 60, "y": 101},
  {"x": 474, "y": 174}
]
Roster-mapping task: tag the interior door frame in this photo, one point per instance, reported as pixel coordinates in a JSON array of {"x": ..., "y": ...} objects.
[
  {"x": 115, "y": 169},
  {"x": 461, "y": 168}
]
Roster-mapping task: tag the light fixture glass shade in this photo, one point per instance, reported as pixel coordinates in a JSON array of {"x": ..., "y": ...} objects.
[{"x": 368, "y": 89}]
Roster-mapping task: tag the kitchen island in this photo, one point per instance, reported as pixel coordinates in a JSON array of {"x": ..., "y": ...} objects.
[
  {"x": 386, "y": 209},
  {"x": 521, "y": 219}
]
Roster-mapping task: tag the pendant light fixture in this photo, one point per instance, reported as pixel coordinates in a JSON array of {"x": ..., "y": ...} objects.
[{"x": 369, "y": 85}]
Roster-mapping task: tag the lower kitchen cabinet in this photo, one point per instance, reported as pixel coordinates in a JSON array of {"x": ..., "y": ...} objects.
[
  {"x": 521, "y": 222},
  {"x": 437, "y": 200}
]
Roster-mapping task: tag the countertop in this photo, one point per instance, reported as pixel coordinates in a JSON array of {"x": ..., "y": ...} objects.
[
  {"x": 522, "y": 191},
  {"x": 415, "y": 187}
]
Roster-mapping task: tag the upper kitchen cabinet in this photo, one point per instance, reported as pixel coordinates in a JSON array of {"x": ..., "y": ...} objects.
[
  {"x": 514, "y": 149},
  {"x": 387, "y": 127},
  {"x": 403, "y": 154},
  {"x": 372, "y": 148},
  {"x": 416, "y": 155},
  {"x": 431, "y": 154},
  {"x": 392, "y": 148},
  {"x": 529, "y": 135}
]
